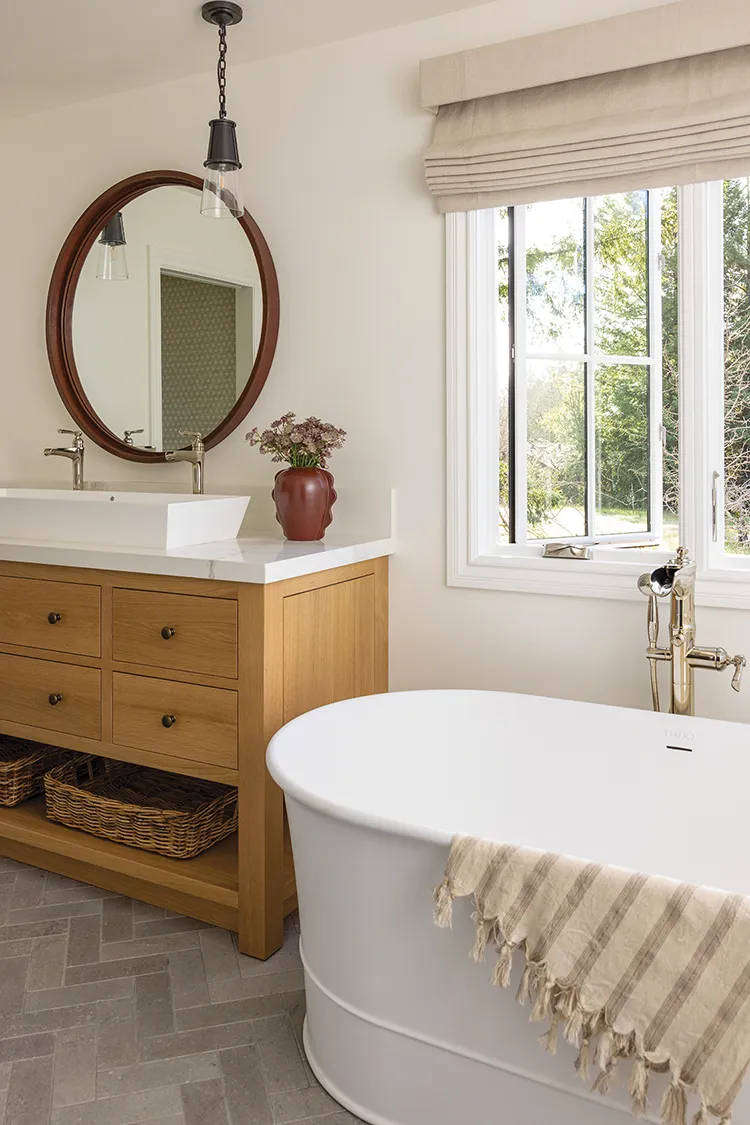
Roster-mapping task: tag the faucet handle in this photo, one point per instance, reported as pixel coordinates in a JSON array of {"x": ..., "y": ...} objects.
[
  {"x": 75, "y": 433},
  {"x": 197, "y": 437},
  {"x": 739, "y": 662}
]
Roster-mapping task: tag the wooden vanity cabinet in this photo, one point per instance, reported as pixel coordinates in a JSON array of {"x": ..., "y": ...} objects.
[{"x": 191, "y": 676}]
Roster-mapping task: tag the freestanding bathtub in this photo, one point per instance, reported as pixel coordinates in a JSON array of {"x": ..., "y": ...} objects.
[{"x": 402, "y": 1027}]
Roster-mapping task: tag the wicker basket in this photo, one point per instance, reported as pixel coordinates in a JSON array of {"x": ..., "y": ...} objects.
[
  {"x": 23, "y": 765},
  {"x": 145, "y": 808}
]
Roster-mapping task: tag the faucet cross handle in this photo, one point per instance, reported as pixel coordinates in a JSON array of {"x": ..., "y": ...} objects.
[{"x": 739, "y": 662}]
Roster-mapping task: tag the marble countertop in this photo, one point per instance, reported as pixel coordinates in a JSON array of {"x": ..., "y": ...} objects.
[{"x": 261, "y": 557}]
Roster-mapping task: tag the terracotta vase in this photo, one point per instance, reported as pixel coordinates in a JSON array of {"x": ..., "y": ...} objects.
[{"x": 304, "y": 498}]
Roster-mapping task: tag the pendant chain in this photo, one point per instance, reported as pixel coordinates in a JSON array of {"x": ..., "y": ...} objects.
[{"x": 221, "y": 71}]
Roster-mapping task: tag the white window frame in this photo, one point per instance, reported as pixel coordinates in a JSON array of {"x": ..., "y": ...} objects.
[{"x": 475, "y": 557}]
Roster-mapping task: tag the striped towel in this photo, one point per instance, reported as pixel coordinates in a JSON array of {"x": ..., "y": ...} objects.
[{"x": 629, "y": 966}]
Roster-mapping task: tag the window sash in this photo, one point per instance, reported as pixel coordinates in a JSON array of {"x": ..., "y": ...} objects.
[{"x": 590, "y": 358}]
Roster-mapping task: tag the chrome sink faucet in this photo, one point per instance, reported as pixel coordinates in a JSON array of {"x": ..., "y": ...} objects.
[
  {"x": 194, "y": 456},
  {"x": 676, "y": 580},
  {"x": 74, "y": 452}
]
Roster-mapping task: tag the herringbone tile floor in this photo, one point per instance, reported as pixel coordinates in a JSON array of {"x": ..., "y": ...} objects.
[{"x": 113, "y": 1012}]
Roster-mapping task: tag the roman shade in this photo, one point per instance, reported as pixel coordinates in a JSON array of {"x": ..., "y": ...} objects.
[{"x": 680, "y": 121}]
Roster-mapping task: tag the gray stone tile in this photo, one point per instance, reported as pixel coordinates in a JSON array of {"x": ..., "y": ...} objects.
[
  {"x": 244, "y": 1087},
  {"x": 33, "y": 1023},
  {"x": 128, "y": 1109},
  {"x": 116, "y": 1033},
  {"x": 60, "y": 910},
  {"x": 84, "y": 941},
  {"x": 169, "y": 926},
  {"x": 47, "y": 962},
  {"x": 74, "y": 1078},
  {"x": 29, "y": 1093},
  {"x": 12, "y": 865},
  {"x": 146, "y": 947},
  {"x": 203, "y": 1103},
  {"x": 28, "y": 888},
  {"x": 300, "y": 1105},
  {"x": 76, "y": 893},
  {"x": 296, "y": 1006},
  {"x": 13, "y": 985},
  {"x": 232, "y": 1011},
  {"x": 150, "y": 1076},
  {"x": 287, "y": 958},
  {"x": 188, "y": 976},
  {"x": 26, "y": 1047},
  {"x": 34, "y": 929},
  {"x": 145, "y": 912},
  {"x": 4, "y": 1078},
  {"x": 245, "y": 987},
  {"x": 5, "y": 897},
  {"x": 195, "y": 1042},
  {"x": 154, "y": 1014},
  {"x": 340, "y": 1118},
  {"x": 117, "y": 919},
  {"x": 62, "y": 883},
  {"x": 79, "y": 994},
  {"x": 279, "y": 1054},
  {"x": 110, "y": 970},
  {"x": 219, "y": 955},
  {"x": 19, "y": 948},
  {"x": 7, "y": 877}
]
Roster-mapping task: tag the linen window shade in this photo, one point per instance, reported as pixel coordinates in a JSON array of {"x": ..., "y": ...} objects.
[{"x": 682, "y": 121}]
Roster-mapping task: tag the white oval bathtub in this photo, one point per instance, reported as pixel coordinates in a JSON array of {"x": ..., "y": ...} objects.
[{"x": 402, "y": 1028}]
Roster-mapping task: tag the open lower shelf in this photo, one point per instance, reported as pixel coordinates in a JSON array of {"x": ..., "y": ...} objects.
[{"x": 204, "y": 887}]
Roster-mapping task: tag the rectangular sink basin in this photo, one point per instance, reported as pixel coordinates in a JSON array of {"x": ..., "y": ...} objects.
[{"x": 122, "y": 519}]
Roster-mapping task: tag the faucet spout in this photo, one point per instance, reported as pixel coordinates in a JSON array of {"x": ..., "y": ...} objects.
[
  {"x": 194, "y": 456},
  {"x": 74, "y": 453}
]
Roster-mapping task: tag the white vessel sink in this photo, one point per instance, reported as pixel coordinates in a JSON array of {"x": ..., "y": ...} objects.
[{"x": 122, "y": 519}]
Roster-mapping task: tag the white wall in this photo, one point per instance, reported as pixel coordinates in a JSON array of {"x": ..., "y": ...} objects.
[{"x": 331, "y": 142}]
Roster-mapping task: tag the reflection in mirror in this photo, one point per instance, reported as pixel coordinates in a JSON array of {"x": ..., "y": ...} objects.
[{"x": 172, "y": 346}]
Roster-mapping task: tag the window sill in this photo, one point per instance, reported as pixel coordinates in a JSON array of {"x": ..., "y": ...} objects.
[{"x": 614, "y": 581}]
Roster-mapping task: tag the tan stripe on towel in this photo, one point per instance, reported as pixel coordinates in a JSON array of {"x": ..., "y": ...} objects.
[
  {"x": 644, "y": 958},
  {"x": 605, "y": 930},
  {"x": 693, "y": 972}
]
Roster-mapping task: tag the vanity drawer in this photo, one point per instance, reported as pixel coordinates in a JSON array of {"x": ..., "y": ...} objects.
[
  {"x": 59, "y": 616},
  {"x": 56, "y": 697},
  {"x": 176, "y": 631},
  {"x": 184, "y": 720}
]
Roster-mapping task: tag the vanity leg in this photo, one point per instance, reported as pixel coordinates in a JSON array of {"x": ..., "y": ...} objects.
[{"x": 261, "y": 802}]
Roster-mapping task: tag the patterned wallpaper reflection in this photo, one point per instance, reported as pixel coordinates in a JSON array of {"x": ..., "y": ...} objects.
[{"x": 198, "y": 356}]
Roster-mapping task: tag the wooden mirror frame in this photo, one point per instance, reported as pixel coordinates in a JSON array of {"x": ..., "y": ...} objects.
[{"x": 59, "y": 320}]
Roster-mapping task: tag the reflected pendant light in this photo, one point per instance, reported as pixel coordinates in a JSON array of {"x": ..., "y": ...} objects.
[
  {"x": 113, "y": 264},
  {"x": 222, "y": 191}
]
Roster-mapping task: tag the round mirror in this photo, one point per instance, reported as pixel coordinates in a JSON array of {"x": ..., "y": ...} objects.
[{"x": 160, "y": 321}]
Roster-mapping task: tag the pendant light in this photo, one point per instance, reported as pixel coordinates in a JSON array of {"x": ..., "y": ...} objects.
[
  {"x": 222, "y": 191},
  {"x": 113, "y": 265}
]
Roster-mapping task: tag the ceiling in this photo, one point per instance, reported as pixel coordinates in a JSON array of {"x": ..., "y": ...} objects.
[{"x": 55, "y": 52}]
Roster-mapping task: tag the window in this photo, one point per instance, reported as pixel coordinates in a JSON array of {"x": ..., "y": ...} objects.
[{"x": 599, "y": 389}]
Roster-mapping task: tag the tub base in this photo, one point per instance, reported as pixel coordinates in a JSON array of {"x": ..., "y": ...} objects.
[{"x": 388, "y": 1076}]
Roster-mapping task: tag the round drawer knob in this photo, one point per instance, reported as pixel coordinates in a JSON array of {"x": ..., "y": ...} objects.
[
  {"x": 168, "y": 720},
  {"x": 167, "y": 632},
  {"x": 54, "y": 698},
  {"x": 53, "y": 618}
]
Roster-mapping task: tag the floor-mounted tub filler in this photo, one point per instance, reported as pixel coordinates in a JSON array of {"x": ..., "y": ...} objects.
[{"x": 402, "y": 1027}]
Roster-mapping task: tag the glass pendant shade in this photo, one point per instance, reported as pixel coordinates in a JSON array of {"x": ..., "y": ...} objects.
[
  {"x": 113, "y": 262},
  {"x": 222, "y": 189}
]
